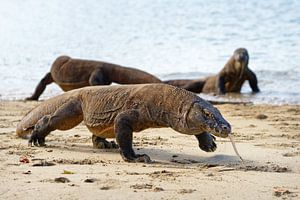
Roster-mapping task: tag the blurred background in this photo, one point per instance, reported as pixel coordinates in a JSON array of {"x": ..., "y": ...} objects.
[{"x": 168, "y": 38}]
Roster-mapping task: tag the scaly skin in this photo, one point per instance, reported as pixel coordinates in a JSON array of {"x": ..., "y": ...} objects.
[
  {"x": 230, "y": 79},
  {"x": 71, "y": 74},
  {"x": 117, "y": 111}
]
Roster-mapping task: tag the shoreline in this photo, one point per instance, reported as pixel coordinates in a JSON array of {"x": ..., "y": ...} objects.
[{"x": 267, "y": 137}]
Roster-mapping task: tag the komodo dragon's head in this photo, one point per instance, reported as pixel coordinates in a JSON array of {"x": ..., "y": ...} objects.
[
  {"x": 241, "y": 55},
  {"x": 241, "y": 58},
  {"x": 202, "y": 116}
]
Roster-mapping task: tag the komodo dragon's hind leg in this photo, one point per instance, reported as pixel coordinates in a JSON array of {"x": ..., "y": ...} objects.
[
  {"x": 125, "y": 124},
  {"x": 102, "y": 143},
  {"x": 98, "y": 78},
  {"x": 41, "y": 87},
  {"x": 67, "y": 116},
  {"x": 206, "y": 142}
]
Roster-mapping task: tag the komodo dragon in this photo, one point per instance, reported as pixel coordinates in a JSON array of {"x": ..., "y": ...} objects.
[
  {"x": 70, "y": 73},
  {"x": 117, "y": 111},
  {"x": 230, "y": 79}
]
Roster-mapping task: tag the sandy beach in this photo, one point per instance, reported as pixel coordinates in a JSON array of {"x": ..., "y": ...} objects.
[
  {"x": 171, "y": 40},
  {"x": 267, "y": 136}
]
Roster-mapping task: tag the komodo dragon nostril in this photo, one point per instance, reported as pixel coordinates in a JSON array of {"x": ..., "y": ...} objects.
[{"x": 225, "y": 127}]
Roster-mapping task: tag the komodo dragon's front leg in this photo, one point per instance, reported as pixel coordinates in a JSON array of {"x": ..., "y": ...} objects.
[
  {"x": 67, "y": 116},
  {"x": 41, "y": 87},
  {"x": 125, "y": 124},
  {"x": 206, "y": 142}
]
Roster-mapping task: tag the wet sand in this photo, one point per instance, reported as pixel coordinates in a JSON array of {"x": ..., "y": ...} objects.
[{"x": 267, "y": 136}]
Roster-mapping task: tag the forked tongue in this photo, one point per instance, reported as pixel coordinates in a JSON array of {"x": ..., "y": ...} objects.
[{"x": 234, "y": 147}]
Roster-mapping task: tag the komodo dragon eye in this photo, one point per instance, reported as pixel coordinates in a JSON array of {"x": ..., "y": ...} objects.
[{"x": 207, "y": 113}]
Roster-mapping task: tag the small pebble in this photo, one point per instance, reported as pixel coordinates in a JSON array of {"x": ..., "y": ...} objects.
[
  {"x": 210, "y": 174},
  {"x": 90, "y": 180},
  {"x": 24, "y": 159},
  {"x": 105, "y": 188},
  {"x": 28, "y": 172},
  {"x": 61, "y": 180},
  {"x": 43, "y": 163},
  {"x": 261, "y": 116},
  {"x": 158, "y": 189}
]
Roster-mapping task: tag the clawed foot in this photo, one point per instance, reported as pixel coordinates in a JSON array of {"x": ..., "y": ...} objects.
[
  {"x": 39, "y": 132},
  {"x": 101, "y": 143},
  {"x": 206, "y": 142},
  {"x": 31, "y": 99},
  {"x": 144, "y": 158},
  {"x": 36, "y": 139}
]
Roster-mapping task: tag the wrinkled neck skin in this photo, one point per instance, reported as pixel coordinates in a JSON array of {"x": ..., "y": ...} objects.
[
  {"x": 173, "y": 113},
  {"x": 241, "y": 67},
  {"x": 181, "y": 123},
  {"x": 190, "y": 129}
]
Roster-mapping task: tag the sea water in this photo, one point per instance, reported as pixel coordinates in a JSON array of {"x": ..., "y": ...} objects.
[{"x": 172, "y": 39}]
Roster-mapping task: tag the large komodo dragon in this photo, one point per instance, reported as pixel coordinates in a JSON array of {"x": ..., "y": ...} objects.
[
  {"x": 230, "y": 79},
  {"x": 117, "y": 111},
  {"x": 70, "y": 73}
]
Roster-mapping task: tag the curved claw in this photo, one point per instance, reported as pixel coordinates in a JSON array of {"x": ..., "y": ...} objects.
[
  {"x": 208, "y": 147},
  {"x": 114, "y": 145},
  {"x": 207, "y": 142},
  {"x": 36, "y": 140},
  {"x": 102, "y": 143},
  {"x": 143, "y": 158},
  {"x": 106, "y": 145},
  {"x": 214, "y": 138}
]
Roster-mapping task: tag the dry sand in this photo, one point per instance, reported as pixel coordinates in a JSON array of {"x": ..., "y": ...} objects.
[{"x": 268, "y": 138}]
